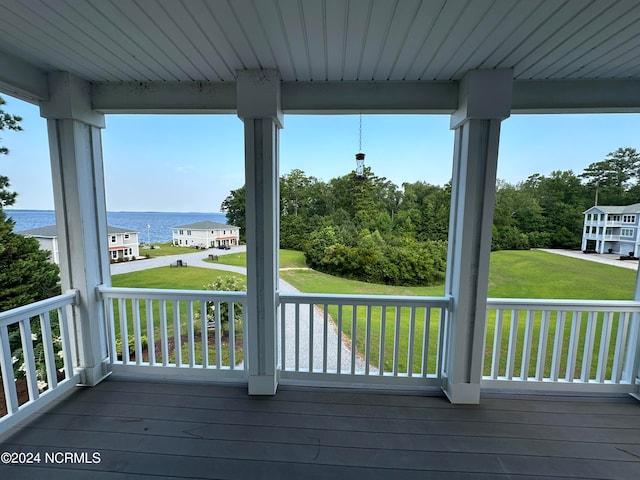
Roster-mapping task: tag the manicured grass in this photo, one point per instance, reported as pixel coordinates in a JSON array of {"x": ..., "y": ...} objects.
[
  {"x": 288, "y": 259},
  {"x": 190, "y": 278},
  {"x": 161, "y": 250},
  {"x": 513, "y": 274},
  {"x": 536, "y": 274}
]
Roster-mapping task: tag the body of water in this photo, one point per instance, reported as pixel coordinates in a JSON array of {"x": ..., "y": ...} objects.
[{"x": 160, "y": 222}]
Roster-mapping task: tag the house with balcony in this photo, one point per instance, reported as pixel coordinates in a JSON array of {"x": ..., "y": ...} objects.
[
  {"x": 466, "y": 387},
  {"x": 612, "y": 229},
  {"x": 123, "y": 243},
  {"x": 205, "y": 234}
]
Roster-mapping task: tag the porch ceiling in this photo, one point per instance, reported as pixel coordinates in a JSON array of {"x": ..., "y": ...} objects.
[{"x": 315, "y": 41}]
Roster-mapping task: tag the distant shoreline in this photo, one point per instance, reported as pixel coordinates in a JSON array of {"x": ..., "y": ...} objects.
[{"x": 115, "y": 211}]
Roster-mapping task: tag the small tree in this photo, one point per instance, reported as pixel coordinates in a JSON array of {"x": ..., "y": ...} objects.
[{"x": 225, "y": 284}]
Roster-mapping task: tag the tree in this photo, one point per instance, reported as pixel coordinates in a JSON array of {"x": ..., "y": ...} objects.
[
  {"x": 611, "y": 178},
  {"x": 26, "y": 274},
  {"x": 7, "y": 122},
  {"x": 234, "y": 208}
]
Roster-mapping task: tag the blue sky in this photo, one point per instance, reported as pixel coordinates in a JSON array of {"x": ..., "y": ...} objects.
[{"x": 190, "y": 163}]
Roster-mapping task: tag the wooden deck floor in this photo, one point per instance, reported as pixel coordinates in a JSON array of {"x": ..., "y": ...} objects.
[{"x": 177, "y": 430}]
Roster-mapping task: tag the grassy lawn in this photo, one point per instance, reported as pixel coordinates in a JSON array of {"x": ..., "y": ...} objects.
[
  {"x": 288, "y": 259},
  {"x": 513, "y": 274},
  {"x": 191, "y": 278},
  {"x": 161, "y": 250}
]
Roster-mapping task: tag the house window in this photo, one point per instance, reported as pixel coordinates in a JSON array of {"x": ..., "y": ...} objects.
[
  {"x": 181, "y": 232},
  {"x": 188, "y": 232},
  {"x": 114, "y": 254},
  {"x": 626, "y": 232},
  {"x": 126, "y": 236},
  {"x": 113, "y": 239},
  {"x": 608, "y": 231},
  {"x": 588, "y": 217},
  {"x": 629, "y": 219}
]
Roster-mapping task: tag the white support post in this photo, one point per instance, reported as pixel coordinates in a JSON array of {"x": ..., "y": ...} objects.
[
  {"x": 631, "y": 368},
  {"x": 75, "y": 145},
  {"x": 259, "y": 108},
  {"x": 485, "y": 100}
]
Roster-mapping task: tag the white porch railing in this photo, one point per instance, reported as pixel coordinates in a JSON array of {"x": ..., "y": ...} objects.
[
  {"x": 45, "y": 356},
  {"x": 565, "y": 344},
  {"x": 195, "y": 333},
  {"x": 362, "y": 339},
  {"x": 375, "y": 340}
]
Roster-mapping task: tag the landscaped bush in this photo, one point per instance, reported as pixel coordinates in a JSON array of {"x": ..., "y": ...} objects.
[{"x": 411, "y": 264}]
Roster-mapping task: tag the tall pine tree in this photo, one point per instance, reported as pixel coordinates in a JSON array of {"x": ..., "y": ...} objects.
[{"x": 26, "y": 274}]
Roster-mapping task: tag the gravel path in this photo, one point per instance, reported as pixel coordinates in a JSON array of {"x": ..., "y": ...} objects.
[{"x": 196, "y": 259}]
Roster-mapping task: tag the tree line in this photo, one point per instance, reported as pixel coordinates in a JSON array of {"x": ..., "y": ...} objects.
[{"x": 371, "y": 229}]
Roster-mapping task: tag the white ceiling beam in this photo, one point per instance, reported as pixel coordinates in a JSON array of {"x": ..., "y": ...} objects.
[
  {"x": 164, "y": 97},
  {"x": 22, "y": 80},
  {"x": 576, "y": 96},
  {"x": 536, "y": 96},
  {"x": 369, "y": 97}
]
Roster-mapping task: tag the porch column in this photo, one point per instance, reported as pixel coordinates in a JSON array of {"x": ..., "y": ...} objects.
[
  {"x": 75, "y": 145},
  {"x": 631, "y": 369},
  {"x": 259, "y": 108},
  {"x": 484, "y": 101}
]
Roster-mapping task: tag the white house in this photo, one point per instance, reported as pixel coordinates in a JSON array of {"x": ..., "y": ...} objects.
[
  {"x": 123, "y": 243},
  {"x": 47, "y": 237},
  {"x": 205, "y": 234},
  {"x": 612, "y": 229}
]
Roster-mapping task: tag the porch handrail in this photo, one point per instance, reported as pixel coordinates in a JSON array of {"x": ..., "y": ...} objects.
[
  {"x": 23, "y": 316},
  {"x": 564, "y": 304},
  {"x": 368, "y": 339},
  {"x": 582, "y": 344},
  {"x": 150, "y": 330}
]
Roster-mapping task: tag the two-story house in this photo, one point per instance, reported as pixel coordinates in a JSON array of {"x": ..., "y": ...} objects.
[
  {"x": 205, "y": 234},
  {"x": 612, "y": 229},
  {"x": 123, "y": 243}
]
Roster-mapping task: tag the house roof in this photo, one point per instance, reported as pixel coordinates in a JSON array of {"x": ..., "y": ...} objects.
[
  {"x": 206, "y": 225},
  {"x": 615, "y": 209},
  {"x": 51, "y": 231},
  {"x": 137, "y": 53}
]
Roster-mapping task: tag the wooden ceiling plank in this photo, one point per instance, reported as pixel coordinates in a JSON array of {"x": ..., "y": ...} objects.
[
  {"x": 293, "y": 27},
  {"x": 270, "y": 24},
  {"x": 29, "y": 26},
  {"x": 312, "y": 14},
  {"x": 607, "y": 39},
  {"x": 383, "y": 13},
  {"x": 357, "y": 22},
  {"x": 416, "y": 38},
  {"x": 485, "y": 37},
  {"x": 153, "y": 23},
  {"x": 420, "y": 68},
  {"x": 566, "y": 40},
  {"x": 538, "y": 40},
  {"x": 336, "y": 38},
  {"x": 141, "y": 45},
  {"x": 184, "y": 32},
  {"x": 104, "y": 46},
  {"x": 396, "y": 39}
]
